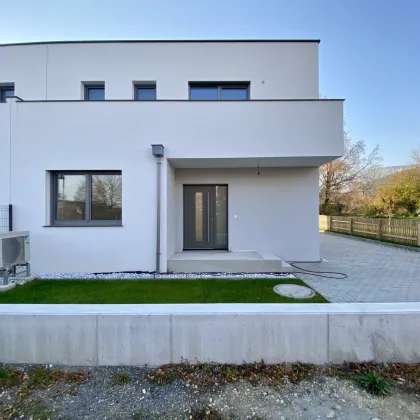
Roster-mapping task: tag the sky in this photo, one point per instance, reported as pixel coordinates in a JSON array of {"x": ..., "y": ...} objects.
[{"x": 369, "y": 51}]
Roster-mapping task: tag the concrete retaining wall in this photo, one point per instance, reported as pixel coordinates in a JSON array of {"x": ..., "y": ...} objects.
[{"x": 90, "y": 335}]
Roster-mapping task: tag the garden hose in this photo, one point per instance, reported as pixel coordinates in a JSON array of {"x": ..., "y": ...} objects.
[{"x": 323, "y": 274}]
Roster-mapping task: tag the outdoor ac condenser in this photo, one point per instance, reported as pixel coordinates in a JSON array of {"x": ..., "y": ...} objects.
[{"x": 14, "y": 249}]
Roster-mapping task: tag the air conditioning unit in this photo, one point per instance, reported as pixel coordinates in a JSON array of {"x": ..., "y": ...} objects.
[{"x": 14, "y": 249}]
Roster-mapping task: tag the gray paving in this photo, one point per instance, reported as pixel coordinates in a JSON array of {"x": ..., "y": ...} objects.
[{"x": 376, "y": 273}]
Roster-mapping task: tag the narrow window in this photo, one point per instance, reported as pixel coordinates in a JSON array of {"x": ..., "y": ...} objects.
[
  {"x": 219, "y": 91},
  {"x": 6, "y": 91},
  {"x": 145, "y": 92},
  {"x": 94, "y": 92},
  {"x": 86, "y": 198},
  {"x": 203, "y": 93},
  {"x": 234, "y": 93}
]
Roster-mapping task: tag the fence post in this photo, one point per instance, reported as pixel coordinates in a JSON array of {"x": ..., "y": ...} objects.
[
  {"x": 351, "y": 225},
  {"x": 418, "y": 233},
  {"x": 379, "y": 228},
  {"x": 328, "y": 222}
]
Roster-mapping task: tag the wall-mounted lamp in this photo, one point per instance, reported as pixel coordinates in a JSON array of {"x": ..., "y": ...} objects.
[{"x": 157, "y": 150}]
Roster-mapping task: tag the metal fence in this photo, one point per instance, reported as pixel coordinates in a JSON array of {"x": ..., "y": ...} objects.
[
  {"x": 6, "y": 218},
  {"x": 406, "y": 232}
]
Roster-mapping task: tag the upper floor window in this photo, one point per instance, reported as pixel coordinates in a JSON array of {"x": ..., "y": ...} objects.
[
  {"x": 6, "y": 91},
  {"x": 95, "y": 92},
  {"x": 145, "y": 92},
  {"x": 219, "y": 91}
]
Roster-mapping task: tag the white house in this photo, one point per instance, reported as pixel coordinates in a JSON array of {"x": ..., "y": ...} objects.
[{"x": 243, "y": 130}]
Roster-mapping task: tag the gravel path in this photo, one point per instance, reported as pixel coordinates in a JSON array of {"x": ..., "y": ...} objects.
[{"x": 100, "y": 398}]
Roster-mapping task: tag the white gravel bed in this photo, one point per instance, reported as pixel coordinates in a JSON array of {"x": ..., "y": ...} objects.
[{"x": 161, "y": 276}]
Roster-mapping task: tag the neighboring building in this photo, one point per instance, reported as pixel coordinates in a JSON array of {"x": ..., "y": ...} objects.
[{"x": 243, "y": 130}]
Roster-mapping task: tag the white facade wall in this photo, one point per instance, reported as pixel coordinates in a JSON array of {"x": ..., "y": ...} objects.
[
  {"x": 276, "y": 70},
  {"x": 276, "y": 211},
  {"x": 171, "y": 211},
  {"x": 5, "y": 152},
  {"x": 288, "y": 136}
]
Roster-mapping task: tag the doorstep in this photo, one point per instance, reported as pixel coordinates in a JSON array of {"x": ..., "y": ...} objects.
[{"x": 212, "y": 261}]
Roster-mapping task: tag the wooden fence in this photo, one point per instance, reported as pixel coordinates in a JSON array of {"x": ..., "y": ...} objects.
[{"x": 406, "y": 232}]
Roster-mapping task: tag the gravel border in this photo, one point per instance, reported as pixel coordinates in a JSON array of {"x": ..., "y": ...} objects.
[{"x": 162, "y": 276}]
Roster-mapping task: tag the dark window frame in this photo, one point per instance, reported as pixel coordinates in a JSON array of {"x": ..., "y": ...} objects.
[
  {"x": 5, "y": 88},
  {"x": 139, "y": 86},
  {"x": 88, "y": 86},
  {"x": 220, "y": 86},
  {"x": 88, "y": 206}
]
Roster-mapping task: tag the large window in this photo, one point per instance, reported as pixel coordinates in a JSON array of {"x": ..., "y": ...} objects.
[
  {"x": 219, "y": 91},
  {"x": 85, "y": 198},
  {"x": 94, "y": 92},
  {"x": 6, "y": 92},
  {"x": 145, "y": 92}
]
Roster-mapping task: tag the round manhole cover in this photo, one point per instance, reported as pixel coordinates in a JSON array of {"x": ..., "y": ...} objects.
[{"x": 294, "y": 291}]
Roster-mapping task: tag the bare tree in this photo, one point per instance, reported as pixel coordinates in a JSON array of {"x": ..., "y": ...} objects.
[
  {"x": 346, "y": 175},
  {"x": 80, "y": 194},
  {"x": 415, "y": 156},
  {"x": 106, "y": 190}
]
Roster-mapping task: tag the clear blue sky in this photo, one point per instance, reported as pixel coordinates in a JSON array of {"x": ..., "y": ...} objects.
[{"x": 369, "y": 51}]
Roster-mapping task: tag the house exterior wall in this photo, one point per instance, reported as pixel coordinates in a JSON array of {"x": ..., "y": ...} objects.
[
  {"x": 4, "y": 152},
  {"x": 287, "y": 70},
  {"x": 285, "y": 129},
  {"x": 99, "y": 141},
  {"x": 189, "y": 130},
  {"x": 276, "y": 211},
  {"x": 171, "y": 211}
]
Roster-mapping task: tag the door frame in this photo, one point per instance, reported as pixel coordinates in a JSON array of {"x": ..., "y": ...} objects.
[{"x": 212, "y": 212}]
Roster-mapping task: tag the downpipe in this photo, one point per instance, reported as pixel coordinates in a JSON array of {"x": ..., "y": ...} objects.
[{"x": 158, "y": 205}]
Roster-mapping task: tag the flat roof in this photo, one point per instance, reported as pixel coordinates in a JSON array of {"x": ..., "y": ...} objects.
[{"x": 134, "y": 41}]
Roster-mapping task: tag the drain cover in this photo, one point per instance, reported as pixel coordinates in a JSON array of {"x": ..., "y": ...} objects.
[{"x": 294, "y": 291}]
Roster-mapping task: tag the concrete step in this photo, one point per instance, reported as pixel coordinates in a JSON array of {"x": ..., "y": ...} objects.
[{"x": 227, "y": 262}]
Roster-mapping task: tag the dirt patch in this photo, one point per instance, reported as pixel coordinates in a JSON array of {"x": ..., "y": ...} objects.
[{"x": 208, "y": 392}]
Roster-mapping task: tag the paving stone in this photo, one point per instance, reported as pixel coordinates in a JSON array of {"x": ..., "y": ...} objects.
[{"x": 376, "y": 273}]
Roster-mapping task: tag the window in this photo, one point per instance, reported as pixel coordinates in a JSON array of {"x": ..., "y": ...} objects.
[
  {"x": 146, "y": 92},
  {"x": 95, "y": 92},
  {"x": 86, "y": 198},
  {"x": 6, "y": 92},
  {"x": 219, "y": 91}
]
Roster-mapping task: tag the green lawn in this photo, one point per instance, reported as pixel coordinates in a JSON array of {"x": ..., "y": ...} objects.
[{"x": 152, "y": 291}]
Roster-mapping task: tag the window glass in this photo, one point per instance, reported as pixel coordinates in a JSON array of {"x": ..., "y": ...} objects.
[
  {"x": 87, "y": 198},
  {"x": 234, "y": 94},
  {"x": 106, "y": 197},
  {"x": 203, "y": 93},
  {"x": 7, "y": 93},
  {"x": 71, "y": 197},
  {"x": 198, "y": 216},
  {"x": 95, "y": 94},
  {"x": 146, "y": 93}
]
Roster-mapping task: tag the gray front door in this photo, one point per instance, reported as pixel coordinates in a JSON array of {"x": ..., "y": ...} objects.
[{"x": 205, "y": 217}]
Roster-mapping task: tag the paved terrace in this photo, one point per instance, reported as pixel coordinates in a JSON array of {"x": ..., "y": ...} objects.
[{"x": 376, "y": 272}]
